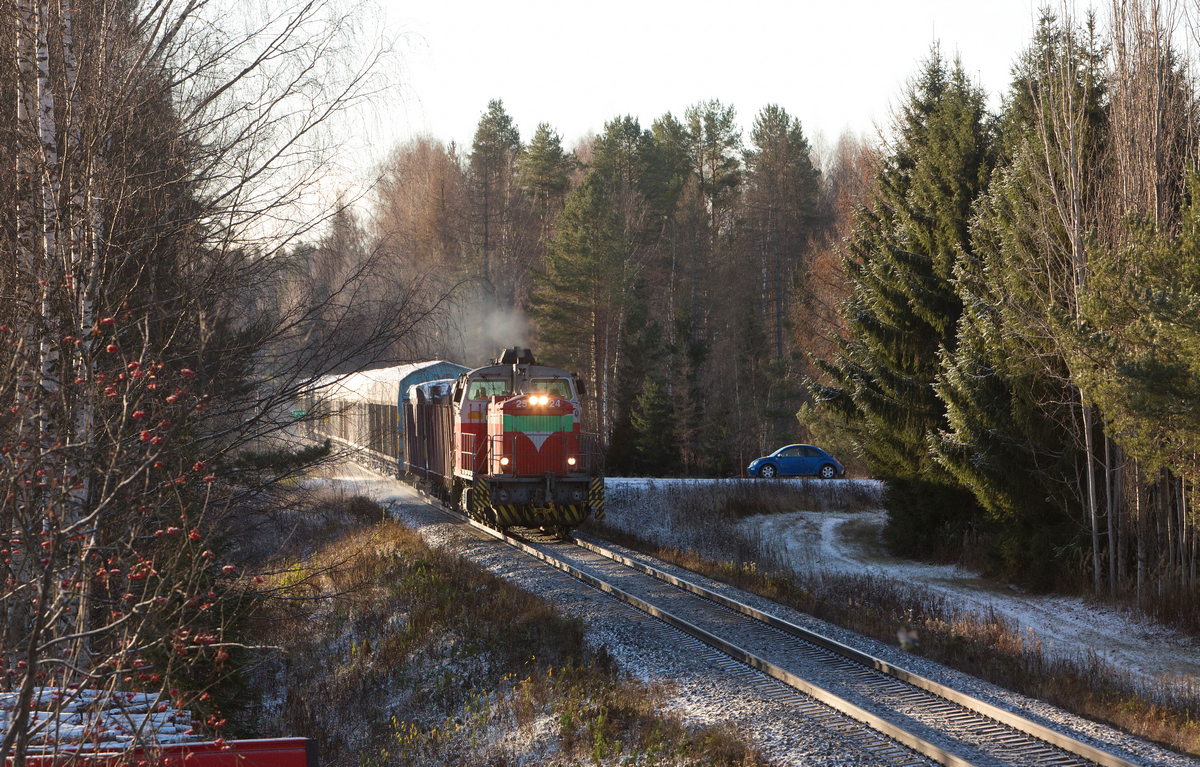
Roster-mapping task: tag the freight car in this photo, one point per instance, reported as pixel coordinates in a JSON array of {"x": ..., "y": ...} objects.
[
  {"x": 503, "y": 443},
  {"x": 362, "y": 411}
]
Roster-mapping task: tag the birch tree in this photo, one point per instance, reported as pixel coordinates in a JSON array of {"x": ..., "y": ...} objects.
[{"x": 161, "y": 153}]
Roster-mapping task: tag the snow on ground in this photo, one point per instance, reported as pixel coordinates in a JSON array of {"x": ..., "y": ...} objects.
[
  {"x": 702, "y": 686},
  {"x": 837, "y": 541},
  {"x": 850, "y": 542}
]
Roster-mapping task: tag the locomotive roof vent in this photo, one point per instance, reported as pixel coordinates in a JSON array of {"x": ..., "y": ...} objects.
[{"x": 516, "y": 356}]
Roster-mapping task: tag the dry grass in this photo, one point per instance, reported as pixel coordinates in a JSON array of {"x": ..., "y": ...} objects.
[
  {"x": 395, "y": 653},
  {"x": 986, "y": 646}
]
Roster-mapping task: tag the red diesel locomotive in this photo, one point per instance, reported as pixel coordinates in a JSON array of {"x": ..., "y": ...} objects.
[{"x": 503, "y": 443}]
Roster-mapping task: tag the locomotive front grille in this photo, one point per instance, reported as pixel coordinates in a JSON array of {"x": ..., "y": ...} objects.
[{"x": 538, "y": 424}]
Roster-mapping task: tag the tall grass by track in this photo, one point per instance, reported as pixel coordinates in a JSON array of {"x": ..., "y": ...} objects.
[
  {"x": 695, "y": 527},
  {"x": 395, "y": 653}
]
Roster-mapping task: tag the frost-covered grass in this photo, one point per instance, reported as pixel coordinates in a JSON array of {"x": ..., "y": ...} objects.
[
  {"x": 696, "y": 526},
  {"x": 395, "y": 653}
]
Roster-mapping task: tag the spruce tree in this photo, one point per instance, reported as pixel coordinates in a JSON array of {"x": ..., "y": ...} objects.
[
  {"x": 656, "y": 443},
  {"x": 903, "y": 309},
  {"x": 1012, "y": 408}
]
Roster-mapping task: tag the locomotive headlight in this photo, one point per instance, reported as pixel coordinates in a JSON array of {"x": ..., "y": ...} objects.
[
  {"x": 571, "y": 461},
  {"x": 504, "y": 461},
  {"x": 539, "y": 400}
]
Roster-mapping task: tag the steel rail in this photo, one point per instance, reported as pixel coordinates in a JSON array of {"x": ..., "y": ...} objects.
[
  {"x": 900, "y": 735},
  {"x": 1008, "y": 718}
]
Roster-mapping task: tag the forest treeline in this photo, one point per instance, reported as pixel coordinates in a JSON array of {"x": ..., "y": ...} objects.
[
  {"x": 998, "y": 314},
  {"x": 1020, "y": 364},
  {"x": 684, "y": 271}
]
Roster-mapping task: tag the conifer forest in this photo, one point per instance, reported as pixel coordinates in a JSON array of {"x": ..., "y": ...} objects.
[{"x": 997, "y": 312}]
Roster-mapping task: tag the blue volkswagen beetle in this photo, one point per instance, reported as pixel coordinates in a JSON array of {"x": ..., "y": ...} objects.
[{"x": 796, "y": 461}]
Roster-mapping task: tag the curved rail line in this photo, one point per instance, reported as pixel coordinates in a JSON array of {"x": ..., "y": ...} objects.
[{"x": 1027, "y": 742}]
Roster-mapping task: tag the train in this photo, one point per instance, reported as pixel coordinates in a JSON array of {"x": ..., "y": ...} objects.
[
  {"x": 503, "y": 443},
  {"x": 362, "y": 411}
]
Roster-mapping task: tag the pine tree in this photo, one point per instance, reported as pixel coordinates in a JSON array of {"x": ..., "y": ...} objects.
[
  {"x": 622, "y": 153},
  {"x": 782, "y": 197},
  {"x": 577, "y": 300},
  {"x": 494, "y": 153},
  {"x": 543, "y": 168},
  {"x": 1138, "y": 352}
]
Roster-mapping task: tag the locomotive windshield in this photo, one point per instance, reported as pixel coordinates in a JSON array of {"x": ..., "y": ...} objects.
[
  {"x": 482, "y": 389},
  {"x": 555, "y": 387}
]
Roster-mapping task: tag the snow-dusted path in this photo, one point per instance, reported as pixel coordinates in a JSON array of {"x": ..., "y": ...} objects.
[{"x": 849, "y": 542}]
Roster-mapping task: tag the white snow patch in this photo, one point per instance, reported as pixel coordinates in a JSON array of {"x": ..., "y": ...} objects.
[{"x": 848, "y": 543}]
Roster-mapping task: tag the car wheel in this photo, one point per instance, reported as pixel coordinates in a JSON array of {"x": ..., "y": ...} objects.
[
  {"x": 767, "y": 472},
  {"x": 827, "y": 472}
]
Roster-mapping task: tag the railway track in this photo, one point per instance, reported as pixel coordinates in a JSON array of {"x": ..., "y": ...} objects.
[{"x": 900, "y": 716}]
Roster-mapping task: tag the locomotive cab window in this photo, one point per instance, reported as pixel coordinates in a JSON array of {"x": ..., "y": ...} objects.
[
  {"x": 482, "y": 389},
  {"x": 555, "y": 387}
]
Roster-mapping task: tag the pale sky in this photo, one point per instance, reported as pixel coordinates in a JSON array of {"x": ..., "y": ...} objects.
[{"x": 835, "y": 66}]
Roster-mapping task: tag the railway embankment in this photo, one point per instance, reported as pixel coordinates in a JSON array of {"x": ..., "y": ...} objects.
[
  {"x": 703, "y": 689},
  {"x": 815, "y": 547},
  {"x": 401, "y": 650}
]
